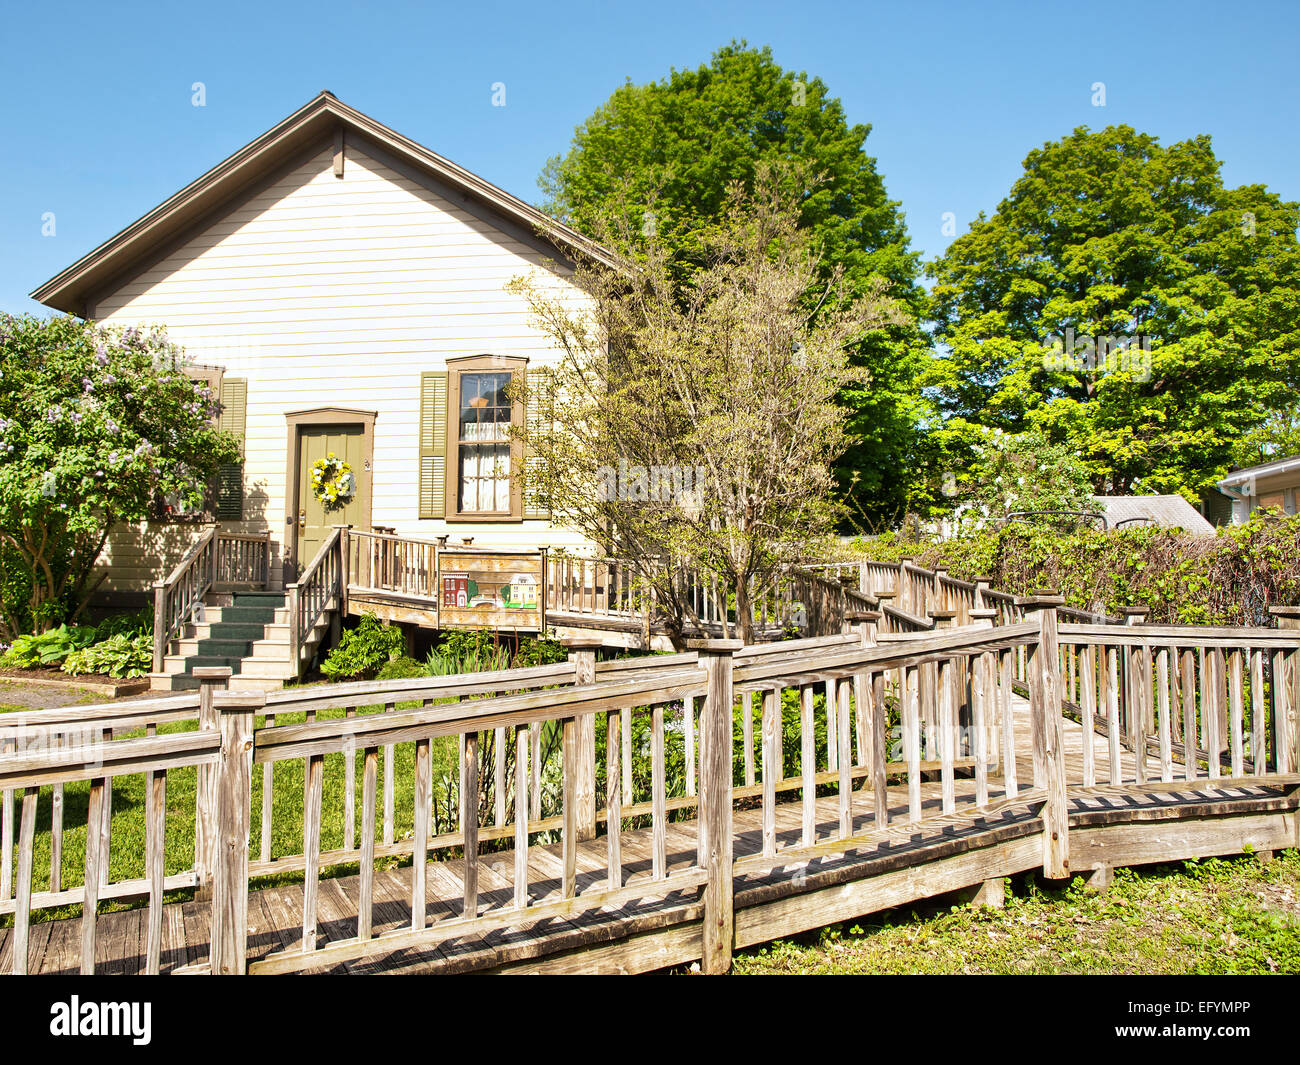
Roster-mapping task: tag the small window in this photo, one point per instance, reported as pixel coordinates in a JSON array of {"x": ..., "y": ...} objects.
[
  {"x": 484, "y": 443},
  {"x": 483, "y": 459}
]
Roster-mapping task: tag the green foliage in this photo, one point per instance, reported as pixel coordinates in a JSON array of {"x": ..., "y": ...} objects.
[
  {"x": 1110, "y": 234},
  {"x": 47, "y": 648},
  {"x": 1022, "y": 471},
  {"x": 1230, "y": 578},
  {"x": 484, "y": 650},
  {"x": 539, "y": 651},
  {"x": 401, "y": 668},
  {"x": 1277, "y": 437},
  {"x": 672, "y": 147},
  {"x": 95, "y": 424},
  {"x": 120, "y": 655},
  {"x": 121, "y": 646},
  {"x": 364, "y": 650},
  {"x": 131, "y": 624}
]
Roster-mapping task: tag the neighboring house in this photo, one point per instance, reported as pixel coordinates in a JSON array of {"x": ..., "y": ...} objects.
[
  {"x": 1170, "y": 512},
  {"x": 343, "y": 290},
  {"x": 1273, "y": 484}
]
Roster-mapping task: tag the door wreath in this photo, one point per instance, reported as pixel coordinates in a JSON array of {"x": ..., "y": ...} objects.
[{"x": 332, "y": 482}]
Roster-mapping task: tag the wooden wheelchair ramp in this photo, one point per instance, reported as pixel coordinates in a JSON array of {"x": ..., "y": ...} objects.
[{"x": 814, "y": 781}]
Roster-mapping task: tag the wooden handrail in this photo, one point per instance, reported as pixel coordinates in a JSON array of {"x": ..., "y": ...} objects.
[
  {"x": 177, "y": 597},
  {"x": 309, "y": 597},
  {"x": 217, "y": 559},
  {"x": 1186, "y": 706}
]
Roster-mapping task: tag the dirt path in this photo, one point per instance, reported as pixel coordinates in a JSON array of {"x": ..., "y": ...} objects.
[{"x": 15, "y": 695}]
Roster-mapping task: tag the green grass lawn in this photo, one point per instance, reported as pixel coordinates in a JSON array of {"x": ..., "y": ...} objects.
[{"x": 1219, "y": 916}]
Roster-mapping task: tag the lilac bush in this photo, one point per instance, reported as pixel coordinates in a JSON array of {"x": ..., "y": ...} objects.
[{"x": 95, "y": 422}]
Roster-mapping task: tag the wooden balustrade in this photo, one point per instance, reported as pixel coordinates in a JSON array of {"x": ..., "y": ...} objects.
[
  {"x": 243, "y": 560},
  {"x": 604, "y": 586},
  {"x": 318, "y": 591},
  {"x": 391, "y": 564},
  {"x": 873, "y": 735},
  {"x": 218, "y": 561},
  {"x": 76, "y": 758},
  {"x": 1183, "y": 702}
]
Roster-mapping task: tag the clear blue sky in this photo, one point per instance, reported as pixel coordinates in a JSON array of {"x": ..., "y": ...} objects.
[{"x": 98, "y": 125}]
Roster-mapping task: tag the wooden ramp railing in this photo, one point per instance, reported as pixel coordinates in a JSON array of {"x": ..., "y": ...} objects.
[
  {"x": 400, "y": 577},
  {"x": 587, "y": 803}
]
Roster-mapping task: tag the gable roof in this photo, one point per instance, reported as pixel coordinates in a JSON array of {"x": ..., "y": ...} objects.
[
  {"x": 323, "y": 116},
  {"x": 1171, "y": 512}
]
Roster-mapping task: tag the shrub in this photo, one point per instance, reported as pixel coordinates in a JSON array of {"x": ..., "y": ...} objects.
[
  {"x": 400, "y": 668},
  {"x": 121, "y": 655},
  {"x": 483, "y": 650},
  {"x": 138, "y": 623},
  {"x": 364, "y": 650},
  {"x": 539, "y": 651},
  {"x": 1231, "y": 578},
  {"x": 47, "y": 648},
  {"x": 96, "y": 423}
]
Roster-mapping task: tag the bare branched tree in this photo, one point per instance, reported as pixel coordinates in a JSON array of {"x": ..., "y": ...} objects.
[{"x": 691, "y": 422}]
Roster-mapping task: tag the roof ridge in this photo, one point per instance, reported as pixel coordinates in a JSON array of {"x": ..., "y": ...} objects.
[{"x": 68, "y": 289}]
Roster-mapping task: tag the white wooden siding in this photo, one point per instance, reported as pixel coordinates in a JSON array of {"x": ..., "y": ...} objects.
[{"x": 325, "y": 291}]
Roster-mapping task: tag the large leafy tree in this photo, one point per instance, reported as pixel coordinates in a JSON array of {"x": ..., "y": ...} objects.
[
  {"x": 675, "y": 146},
  {"x": 95, "y": 424},
  {"x": 1110, "y": 234}
]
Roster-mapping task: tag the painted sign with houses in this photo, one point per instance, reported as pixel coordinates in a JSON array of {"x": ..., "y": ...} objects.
[{"x": 491, "y": 589}]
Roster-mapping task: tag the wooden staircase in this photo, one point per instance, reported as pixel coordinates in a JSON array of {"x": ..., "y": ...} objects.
[
  {"x": 216, "y": 609},
  {"x": 247, "y": 631}
]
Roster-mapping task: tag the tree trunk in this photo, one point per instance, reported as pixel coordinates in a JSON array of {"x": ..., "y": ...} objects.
[{"x": 744, "y": 612}]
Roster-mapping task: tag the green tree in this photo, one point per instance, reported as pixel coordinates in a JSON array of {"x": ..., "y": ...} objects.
[
  {"x": 1277, "y": 437},
  {"x": 1020, "y": 472},
  {"x": 1110, "y": 235},
  {"x": 95, "y": 424},
  {"x": 675, "y": 146}
]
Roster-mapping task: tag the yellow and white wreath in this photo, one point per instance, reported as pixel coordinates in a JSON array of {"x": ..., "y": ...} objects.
[{"x": 332, "y": 482}]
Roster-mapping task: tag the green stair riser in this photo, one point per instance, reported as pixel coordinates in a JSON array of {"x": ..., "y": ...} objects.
[
  {"x": 193, "y": 662},
  {"x": 247, "y": 615},
  {"x": 220, "y": 647},
  {"x": 234, "y": 632}
]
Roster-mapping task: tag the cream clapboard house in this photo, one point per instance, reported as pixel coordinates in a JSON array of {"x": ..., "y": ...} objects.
[{"x": 343, "y": 289}]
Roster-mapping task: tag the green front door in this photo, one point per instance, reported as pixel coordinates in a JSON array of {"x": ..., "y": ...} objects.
[{"x": 314, "y": 522}]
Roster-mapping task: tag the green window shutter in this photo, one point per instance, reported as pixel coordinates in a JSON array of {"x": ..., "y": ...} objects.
[
  {"x": 230, "y": 477},
  {"x": 433, "y": 444},
  {"x": 540, "y": 418}
]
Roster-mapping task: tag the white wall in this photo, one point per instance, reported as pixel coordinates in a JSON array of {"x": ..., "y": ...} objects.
[{"x": 327, "y": 291}]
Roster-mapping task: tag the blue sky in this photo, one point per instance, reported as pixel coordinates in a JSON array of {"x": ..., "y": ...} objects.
[{"x": 98, "y": 125}]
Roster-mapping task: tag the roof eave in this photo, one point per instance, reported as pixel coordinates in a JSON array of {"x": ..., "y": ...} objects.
[
  {"x": 1265, "y": 469},
  {"x": 68, "y": 290}
]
